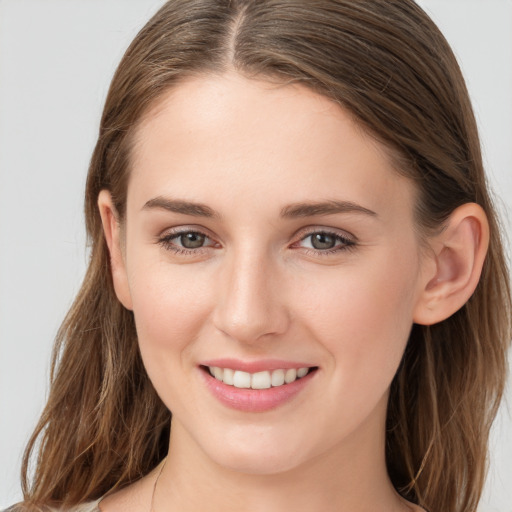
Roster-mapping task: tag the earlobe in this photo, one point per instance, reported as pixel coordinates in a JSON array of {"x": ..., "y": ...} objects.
[
  {"x": 459, "y": 253},
  {"x": 112, "y": 232}
]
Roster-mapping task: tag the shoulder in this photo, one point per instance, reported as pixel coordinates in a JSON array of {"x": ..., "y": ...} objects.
[{"x": 90, "y": 506}]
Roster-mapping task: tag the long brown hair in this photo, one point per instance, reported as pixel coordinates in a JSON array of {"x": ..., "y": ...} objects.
[{"x": 385, "y": 62}]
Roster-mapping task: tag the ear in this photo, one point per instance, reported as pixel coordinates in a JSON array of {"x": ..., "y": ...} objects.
[
  {"x": 112, "y": 231},
  {"x": 457, "y": 258}
]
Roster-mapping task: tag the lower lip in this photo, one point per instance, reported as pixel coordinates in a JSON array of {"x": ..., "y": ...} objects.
[{"x": 255, "y": 400}]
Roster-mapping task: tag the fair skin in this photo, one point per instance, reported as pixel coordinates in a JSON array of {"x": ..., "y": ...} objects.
[{"x": 333, "y": 289}]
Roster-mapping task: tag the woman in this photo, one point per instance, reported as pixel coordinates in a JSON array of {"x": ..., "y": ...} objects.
[{"x": 294, "y": 252}]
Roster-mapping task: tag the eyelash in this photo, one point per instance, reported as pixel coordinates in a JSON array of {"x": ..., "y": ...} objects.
[
  {"x": 346, "y": 243},
  {"x": 167, "y": 242}
]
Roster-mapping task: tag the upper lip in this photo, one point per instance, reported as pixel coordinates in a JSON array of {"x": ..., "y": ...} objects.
[{"x": 260, "y": 365}]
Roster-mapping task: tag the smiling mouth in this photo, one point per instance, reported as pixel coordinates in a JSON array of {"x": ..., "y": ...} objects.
[{"x": 259, "y": 380}]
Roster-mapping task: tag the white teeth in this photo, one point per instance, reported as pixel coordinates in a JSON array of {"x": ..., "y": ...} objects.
[
  {"x": 290, "y": 375},
  {"x": 277, "y": 378},
  {"x": 228, "y": 376},
  {"x": 258, "y": 380},
  {"x": 242, "y": 379},
  {"x": 302, "y": 372}
]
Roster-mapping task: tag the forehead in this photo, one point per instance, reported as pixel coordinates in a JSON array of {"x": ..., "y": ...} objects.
[{"x": 257, "y": 137}]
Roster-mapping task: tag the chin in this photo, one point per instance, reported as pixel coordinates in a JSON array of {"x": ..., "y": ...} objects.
[
  {"x": 257, "y": 463},
  {"x": 267, "y": 457}
]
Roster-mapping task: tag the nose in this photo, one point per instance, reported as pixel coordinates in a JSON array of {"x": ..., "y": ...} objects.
[{"x": 250, "y": 301}]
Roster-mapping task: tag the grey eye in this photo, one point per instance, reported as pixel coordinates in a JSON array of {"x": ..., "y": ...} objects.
[
  {"x": 192, "y": 240},
  {"x": 323, "y": 241}
]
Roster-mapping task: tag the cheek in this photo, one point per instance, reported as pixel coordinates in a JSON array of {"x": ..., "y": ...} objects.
[
  {"x": 170, "y": 305},
  {"x": 364, "y": 320}
]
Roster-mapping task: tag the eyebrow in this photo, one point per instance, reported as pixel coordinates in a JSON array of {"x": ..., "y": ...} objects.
[
  {"x": 310, "y": 209},
  {"x": 183, "y": 207},
  {"x": 295, "y": 210}
]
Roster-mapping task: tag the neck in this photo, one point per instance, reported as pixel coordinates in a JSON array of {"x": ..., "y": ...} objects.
[{"x": 348, "y": 478}]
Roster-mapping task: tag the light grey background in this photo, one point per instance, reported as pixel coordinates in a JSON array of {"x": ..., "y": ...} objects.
[{"x": 56, "y": 61}]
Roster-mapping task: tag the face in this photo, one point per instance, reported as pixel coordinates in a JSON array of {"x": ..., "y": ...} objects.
[{"x": 265, "y": 232}]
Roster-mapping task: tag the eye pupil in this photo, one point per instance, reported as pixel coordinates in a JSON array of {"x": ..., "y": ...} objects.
[
  {"x": 192, "y": 240},
  {"x": 323, "y": 241}
]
